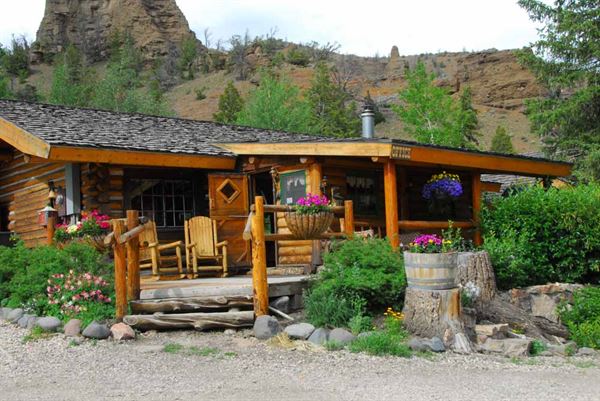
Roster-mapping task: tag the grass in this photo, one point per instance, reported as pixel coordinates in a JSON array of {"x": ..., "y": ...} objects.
[
  {"x": 204, "y": 351},
  {"x": 381, "y": 343},
  {"x": 584, "y": 364},
  {"x": 176, "y": 348},
  {"x": 36, "y": 333},
  {"x": 173, "y": 348},
  {"x": 332, "y": 345}
]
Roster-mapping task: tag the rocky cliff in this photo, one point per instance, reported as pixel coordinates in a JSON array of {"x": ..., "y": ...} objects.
[{"x": 156, "y": 26}]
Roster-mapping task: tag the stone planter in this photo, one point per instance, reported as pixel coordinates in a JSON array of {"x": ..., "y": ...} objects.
[
  {"x": 308, "y": 226},
  {"x": 431, "y": 271}
]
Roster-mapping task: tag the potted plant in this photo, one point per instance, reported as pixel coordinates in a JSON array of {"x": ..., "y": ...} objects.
[
  {"x": 311, "y": 216},
  {"x": 430, "y": 263},
  {"x": 441, "y": 191},
  {"x": 92, "y": 229}
]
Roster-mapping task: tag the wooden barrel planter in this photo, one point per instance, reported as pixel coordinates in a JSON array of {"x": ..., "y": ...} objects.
[
  {"x": 430, "y": 271},
  {"x": 307, "y": 226}
]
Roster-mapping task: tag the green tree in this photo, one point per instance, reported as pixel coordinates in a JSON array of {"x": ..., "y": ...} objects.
[
  {"x": 501, "y": 142},
  {"x": 428, "y": 112},
  {"x": 5, "y": 92},
  {"x": 71, "y": 80},
  {"x": 566, "y": 59},
  {"x": 333, "y": 110},
  {"x": 187, "y": 60},
  {"x": 276, "y": 104},
  {"x": 16, "y": 59},
  {"x": 230, "y": 105},
  {"x": 467, "y": 116}
]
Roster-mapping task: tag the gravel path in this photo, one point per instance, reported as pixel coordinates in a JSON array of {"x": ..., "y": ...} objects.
[{"x": 239, "y": 367}]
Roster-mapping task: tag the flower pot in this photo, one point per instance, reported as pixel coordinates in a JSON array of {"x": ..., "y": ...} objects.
[
  {"x": 308, "y": 226},
  {"x": 431, "y": 271}
]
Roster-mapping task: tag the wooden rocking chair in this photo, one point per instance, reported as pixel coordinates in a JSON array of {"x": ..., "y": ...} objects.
[
  {"x": 151, "y": 255},
  {"x": 201, "y": 244}
]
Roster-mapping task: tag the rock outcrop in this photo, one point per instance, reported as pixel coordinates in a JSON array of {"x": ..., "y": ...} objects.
[{"x": 156, "y": 26}]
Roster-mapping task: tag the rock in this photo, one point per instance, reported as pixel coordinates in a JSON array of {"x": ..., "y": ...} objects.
[
  {"x": 122, "y": 331},
  {"x": 14, "y": 315},
  {"x": 461, "y": 344},
  {"x": 229, "y": 332},
  {"x": 48, "y": 323},
  {"x": 282, "y": 304},
  {"x": 73, "y": 328},
  {"x": 417, "y": 344},
  {"x": 319, "y": 336},
  {"x": 23, "y": 322},
  {"x": 568, "y": 349},
  {"x": 97, "y": 331},
  {"x": 266, "y": 327},
  {"x": 300, "y": 331},
  {"x": 4, "y": 313},
  {"x": 495, "y": 331},
  {"x": 435, "y": 344},
  {"x": 31, "y": 322},
  {"x": 511, "y": 347},
  {"x": 585, "y": 351},
  {"x": 545, "y": 306},
  {"x": 341, "y": 336}
]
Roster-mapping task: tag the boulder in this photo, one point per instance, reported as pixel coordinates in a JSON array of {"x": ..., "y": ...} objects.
[
  {"x": 511, "y": 347},
  {"x": 281, "y": 303},
  {"x": 229, "y": 332},
  {"x": 96, "y": 330},
  {"x": 585, "y": 351},
  {"x": 31, "y": 322},
  {"x": 23, "y": 322},
  {"x": 14, "y": 315},
  {"x": 73, "y": 328},
  {"x": 417, "y": 344},
  {"x": 567, "y": 349},
  {"x": 122, "y": 331},
  {"x": 435, "y": 344},
  {"x": 266, "y": 327},
  {"x": 495, "y": 331},
  {"x": 341, "y": 336},
  {"x": 4, "y": 313},
  {"x": 300, "y": 331},
  {"x": 319, "y": 336},
  {"x": 461, "y": 344},
  {"x": 48, "y": 323}
]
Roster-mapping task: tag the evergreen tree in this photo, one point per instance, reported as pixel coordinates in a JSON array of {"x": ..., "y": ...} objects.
[
  {"x": 467, "y": 116},
  {"x": 566, "y": 59},
  {"x": 16, "y": 59},
  {"x": 501, "y": 142},
  {"x": 5, "y": 92},
  {"x": 428, "y": 112},
  {"x": 333, "y": 111},
  {"x": 230, "y": 105},
  {"x": 276, "y": 104},
  {"x": 189, "y": 53},
  {"x": 71, "y": 80}
]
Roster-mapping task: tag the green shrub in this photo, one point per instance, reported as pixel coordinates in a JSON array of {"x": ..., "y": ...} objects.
[
  {"x": 536, "y": 236},
  {"x": 201, "y": 93},
  {"x": 360, "y": 275},
  {"x": 582, "y": 317},
  {"x": 298, "y": 56},
  {"x": 537, "y": 347},
  {"x": 360, "y": 324},
  {"x": 390, "y": 341}
]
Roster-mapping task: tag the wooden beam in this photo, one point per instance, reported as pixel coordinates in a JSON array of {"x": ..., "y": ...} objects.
[
  {"x": 391, "y": 203},
  {"x": 138, "y": 158},
  {"x": 259, "y": 260},
  {"x": 316, "y": 176},
  {"x": 23, "y": 140},
  {"x": 349, "y": 218},
  {"x": 476, "y": 196},
  {"x": 50, "y": 229},
  {"x": 324, "y": 148},
  {"x": 120, "y": 271},
  {"x": 490, "y": 186},
  {"x": 422, "y": 224},
  {"x": 133, "y": 257}
]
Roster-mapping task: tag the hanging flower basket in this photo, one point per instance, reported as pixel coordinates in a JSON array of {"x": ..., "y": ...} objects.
[
  {"x": 311, "y": 218},
  {"x": 91, "y": 230}
]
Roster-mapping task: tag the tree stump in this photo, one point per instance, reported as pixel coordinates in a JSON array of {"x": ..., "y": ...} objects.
[
  {"x": 433, "y": 313},
  {"x": 476, "y": 267}
]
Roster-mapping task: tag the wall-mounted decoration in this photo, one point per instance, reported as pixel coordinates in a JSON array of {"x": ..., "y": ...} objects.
[{"x": 292, "y": 186}]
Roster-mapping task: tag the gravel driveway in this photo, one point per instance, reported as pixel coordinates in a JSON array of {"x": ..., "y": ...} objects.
[{"x": 214, "y": 366}]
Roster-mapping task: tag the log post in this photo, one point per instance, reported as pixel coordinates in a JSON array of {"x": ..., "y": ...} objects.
[
  {"x": 349, "y": 218},
  {"x": 476, "y": 195},
  {"x": 120, "y": 271},
  {"x": 259, "y": 259},
  {"x": 316, "y": 176},
  {"x": 50, "y": 228},
  {"x": 391, "y": 203},
  {"x": 133, "y": 257}
]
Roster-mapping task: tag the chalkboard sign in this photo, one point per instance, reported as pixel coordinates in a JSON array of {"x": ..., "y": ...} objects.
[{"x": 292, "y": 186}]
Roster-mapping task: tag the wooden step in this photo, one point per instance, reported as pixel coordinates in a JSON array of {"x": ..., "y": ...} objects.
[
  {"x": 198, "y": 321},
  {"x": 191, "y": 304}
]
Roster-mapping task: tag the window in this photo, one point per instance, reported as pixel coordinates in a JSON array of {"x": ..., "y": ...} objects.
[
  {"x": 168, "y": 202},
  {"x": 362, "y": 188}
]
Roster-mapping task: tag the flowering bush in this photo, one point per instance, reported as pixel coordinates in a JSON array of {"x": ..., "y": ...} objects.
[
  {"x": 430, "y": 243},
  {"x": 469, "y": 293},
  {"x": 443, "y": 185},
  {"x": 313, "y": 204},
  {"x": 92, "y": 224},
  {"x": 81, "y": 295}
]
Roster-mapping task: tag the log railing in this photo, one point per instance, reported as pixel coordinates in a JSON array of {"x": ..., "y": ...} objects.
[
  {"x": 126, "y": 247},
  {"x": 255, "y": 231}
]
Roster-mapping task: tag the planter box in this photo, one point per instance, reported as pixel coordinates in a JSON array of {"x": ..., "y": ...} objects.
[{"x": 431, "y": 271}]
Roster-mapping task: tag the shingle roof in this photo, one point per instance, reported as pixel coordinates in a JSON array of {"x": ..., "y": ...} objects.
[{"x": 80, "y": 127}]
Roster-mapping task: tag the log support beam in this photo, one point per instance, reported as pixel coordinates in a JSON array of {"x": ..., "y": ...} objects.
[
  {"x": 133, "y": 257},
  {"x": 391, "y": 203},
  {"x": 259, "y": 259},
  {"x": 120, "y": 271},
  {"x": 476, "y": 195}
]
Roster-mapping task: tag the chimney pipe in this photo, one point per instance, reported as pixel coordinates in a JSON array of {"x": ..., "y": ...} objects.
[{"x": 368, "y": 121}]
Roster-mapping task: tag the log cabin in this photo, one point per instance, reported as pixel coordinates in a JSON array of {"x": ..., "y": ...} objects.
[{"x": 170, "y": 169}]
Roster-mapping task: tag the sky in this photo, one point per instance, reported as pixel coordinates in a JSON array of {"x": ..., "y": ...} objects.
[{"x": 365, "y": 28}]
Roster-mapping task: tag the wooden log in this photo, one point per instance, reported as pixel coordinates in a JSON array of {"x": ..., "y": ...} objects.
[
  {"x": 191, "y": 304},
  {"x": 290, "y": 237},
  {"x": 120, "y": 271},
  {"x": 285, "y": 208},
  {"x": 130, "y": 234},
  {"x": 391, "y": 203},
  {"x": 433, "y": 313},
  {"x": 50, "y": 229},
  {"x": 259, "y": 260},
  {"x": 133, "y": 256},
  {"x": 294, "y": 251},
  {"x": 421, "y": 224},
  {"x": 349, "y": 218},
  {"x": 198, "y": 321},
  {"x": 476, "y": 196},
  {"x": 476, "y": 267}
]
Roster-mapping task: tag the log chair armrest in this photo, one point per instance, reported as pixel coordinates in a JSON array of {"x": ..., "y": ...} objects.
[
  {"x": 190, "y": 246},
  {"x": 152, "y": 245},
  {"x": 222, "y": 244},
  {"x": 170, "y": 245}
]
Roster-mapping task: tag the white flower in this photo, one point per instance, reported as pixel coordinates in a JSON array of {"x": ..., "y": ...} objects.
[{"x": 72, "y": 229}]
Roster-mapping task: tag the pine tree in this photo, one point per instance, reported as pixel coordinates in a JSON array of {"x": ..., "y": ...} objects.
[
  {"x": 333, "y": 111},
  {"x": 230, "y": 105},
  {"x": 71, "y": 80},
  {"x": 189, "y": 53},
  {"x": 467, "y": 117},
  {"x": 501, "y": 142}
]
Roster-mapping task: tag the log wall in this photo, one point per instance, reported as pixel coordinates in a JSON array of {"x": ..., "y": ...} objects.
[{"x": 102, "y": 188}]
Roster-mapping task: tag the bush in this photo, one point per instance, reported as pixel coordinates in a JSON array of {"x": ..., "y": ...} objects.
[
  {"x": 25, "y": 272},
  {"x": 582, "y": 317},
  {"x": 298, "y": 56},
  {"x": 360, "y": 275},
  {"x": 390, "y": 341},
  {"x": 536, "y": 236},
  {"x": 201, "y": 93}
]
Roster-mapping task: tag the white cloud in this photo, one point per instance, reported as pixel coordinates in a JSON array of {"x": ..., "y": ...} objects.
[{"x": 361, "y": 27}]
